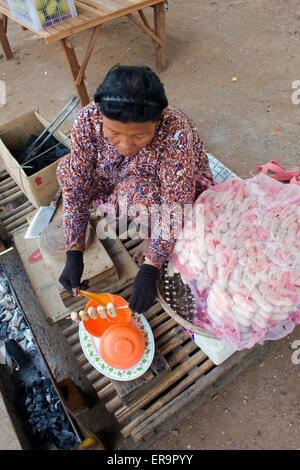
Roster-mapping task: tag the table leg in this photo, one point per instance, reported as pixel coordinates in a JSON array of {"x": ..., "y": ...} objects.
[
  {"x": 3, "y": 38},
  {"x": 160, "y": 31},
  {"x": 74, "y": 69},
  {"x": 88, "y": 54}
]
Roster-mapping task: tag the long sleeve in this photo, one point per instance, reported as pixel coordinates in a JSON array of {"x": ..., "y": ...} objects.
[
  {"x": 76, "y": 177},
  {"x": 183, "y": 176}
]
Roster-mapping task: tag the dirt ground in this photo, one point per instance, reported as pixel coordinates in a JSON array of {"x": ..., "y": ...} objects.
[{"x": 243, "y": 123}]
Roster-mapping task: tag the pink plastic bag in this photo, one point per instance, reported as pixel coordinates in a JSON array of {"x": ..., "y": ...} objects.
[{"x": 243, "y": 268}]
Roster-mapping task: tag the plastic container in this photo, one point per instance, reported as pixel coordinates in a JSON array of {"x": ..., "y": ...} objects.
[
  {"x": 122, "y": 345},
  {"x": 40, "y": 14},
  {"x": 99, "y": 326},
  {"x": 217, "y": 351}
]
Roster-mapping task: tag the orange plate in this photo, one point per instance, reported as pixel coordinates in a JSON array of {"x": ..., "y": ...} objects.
[
  {"x": 98, "y": 326},
  {"x": 122, "y": 345}
]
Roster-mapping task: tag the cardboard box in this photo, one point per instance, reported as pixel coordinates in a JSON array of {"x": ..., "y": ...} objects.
[{"x": 42, "y": 185}]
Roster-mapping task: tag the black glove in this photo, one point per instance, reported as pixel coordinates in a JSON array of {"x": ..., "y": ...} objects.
[
  {"x": 144, "y": 288},
  {"x": 71, "y": 275}
]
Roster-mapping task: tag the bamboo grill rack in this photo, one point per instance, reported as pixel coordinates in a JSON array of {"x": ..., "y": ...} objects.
[
  {"x": 191, "y": 379},
  {"x": 178, "y": 301}
]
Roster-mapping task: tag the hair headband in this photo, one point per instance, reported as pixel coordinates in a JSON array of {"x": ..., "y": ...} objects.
[{"x": 124, "y": 99}]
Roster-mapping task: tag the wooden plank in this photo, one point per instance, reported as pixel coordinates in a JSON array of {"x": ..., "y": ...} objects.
[
  {"x": 86, "y": 7},
  {"x": 179, "y": 339},
  {"x": 4, "y": 41},
  {"x": 74, "y": 69},
  {"x": 167, "y": 381},
  {"x": 203, "y": 389},
  {"x": 128, "y": 391},
  {"x": 103, "y": 8},
  {"x": 14, "y": 212},
  {"x": 106, "y": 391},
  {"x": 113, "y": 404},
  {"x": 157, "y": 41},
  {"x": 160, "y": 31},
  {"x": 180, "y": 353},
  {"x": 143, "y": 419},
  {"x": 11, "y": 198},
  {"x": 159, "y": 331},
  {"x": 7, "y": 183},
  {"x": 9, "y": 192},
  {"x": 87, "y": 56}
]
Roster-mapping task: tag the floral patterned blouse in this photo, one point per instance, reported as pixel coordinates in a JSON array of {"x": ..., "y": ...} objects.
[{"x": 172, "y": 169}]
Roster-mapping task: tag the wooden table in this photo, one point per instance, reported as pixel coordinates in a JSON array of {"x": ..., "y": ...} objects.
[{"x": 91, "y": 15}]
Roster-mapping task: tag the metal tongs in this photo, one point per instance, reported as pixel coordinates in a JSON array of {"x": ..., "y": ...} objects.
[{"x": 33, "y": 149}]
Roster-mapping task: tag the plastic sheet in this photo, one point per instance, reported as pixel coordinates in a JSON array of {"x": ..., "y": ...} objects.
[{"x": 243, "y": 264}]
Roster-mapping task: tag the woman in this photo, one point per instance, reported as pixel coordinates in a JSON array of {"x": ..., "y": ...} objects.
[{"x": 131, "y": 151}]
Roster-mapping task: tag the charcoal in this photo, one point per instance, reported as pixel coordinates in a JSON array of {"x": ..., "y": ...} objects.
[
  {"x": 3, "y": 331},
  {"x": 4, "y": 286},
  {"x": 58, "y": 151},
  {"x": 17, "y": 319},
  {"x": 48, "y": 384},
  {"x": 6, "y": 315},
  {"x": 7, "y": 302},
  {"x": 20, "y": 337},
  {"x": 45, "y": 416},
  {"x": 13, "y": 333}
]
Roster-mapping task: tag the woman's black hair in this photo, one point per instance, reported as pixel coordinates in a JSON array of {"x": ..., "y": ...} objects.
[{"x": 131, "y": 94}]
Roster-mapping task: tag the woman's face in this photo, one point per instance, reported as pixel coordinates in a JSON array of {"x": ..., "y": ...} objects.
[{"x": 128, "y": 138}]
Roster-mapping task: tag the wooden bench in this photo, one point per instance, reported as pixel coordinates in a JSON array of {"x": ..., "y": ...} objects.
[{"x": 91, "y": 15}]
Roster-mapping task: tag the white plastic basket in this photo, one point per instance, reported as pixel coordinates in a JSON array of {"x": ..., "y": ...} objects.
[{"x": 40, "y": 14}]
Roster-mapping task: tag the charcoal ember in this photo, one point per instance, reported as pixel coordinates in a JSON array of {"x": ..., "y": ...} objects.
[
  {"x": 3, "y": 331},
  {"x": 7, "y": 302},
  {"x": 48, "y": 384},
  {"x": 20, "y": 337},
  {"x": 13, "y": 333},
  {"x": 4, "y": 285},
  {"x": 53, "y": 151},
  {"x": 6, "y": 315},
  {"x": 17, "y": 319},
  {"x": 46, "y": 416}
]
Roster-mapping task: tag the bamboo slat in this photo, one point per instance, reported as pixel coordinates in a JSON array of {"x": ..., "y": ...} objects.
[
  {"x": 145, "y": 420},
  {"x": 126, "y": 411}
]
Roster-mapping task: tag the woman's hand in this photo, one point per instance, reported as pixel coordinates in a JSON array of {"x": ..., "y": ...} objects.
[
  {"x": 144, "y": 288},
  {"x": 71, "y": 275}
]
